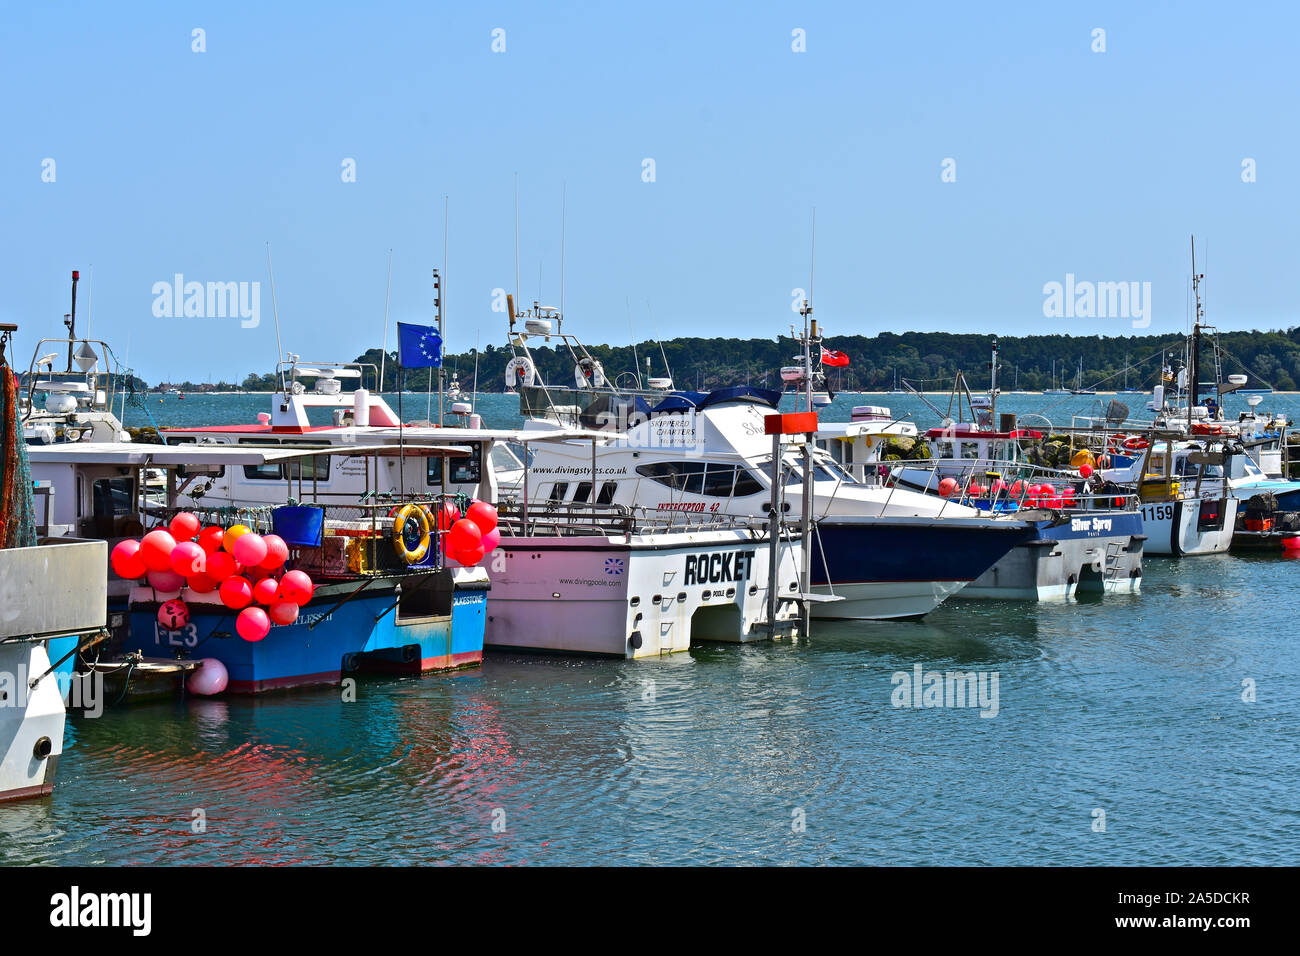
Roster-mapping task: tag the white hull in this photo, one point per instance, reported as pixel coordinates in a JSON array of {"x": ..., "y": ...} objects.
[
  {"x": 885, "y": 601},
  {"x": 634, "y": 597},
  {"x": 31, "y": 723},
  {"x": 1104, "y": 564},
  {"x": 1174, "y": 527}
]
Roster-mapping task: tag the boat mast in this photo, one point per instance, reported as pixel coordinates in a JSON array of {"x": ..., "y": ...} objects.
[
  {"x": 70, "y": 320},
  {"x": 993, "y": 383},
  {"x": 1194, "y": 370}
]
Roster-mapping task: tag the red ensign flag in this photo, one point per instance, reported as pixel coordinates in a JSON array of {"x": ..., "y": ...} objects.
[{"x": 836, "y": 359}]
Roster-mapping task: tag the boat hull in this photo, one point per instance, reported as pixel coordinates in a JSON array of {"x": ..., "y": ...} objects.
[
  {"x": 31, "y": 723},
  {"x": 1099, "y": 552},
  {"x": 889, "y": 568},
  {"x": 635, "y": 596},
  {"x": 375, "y": 630},
  {"x": 1189, "y": 526}
]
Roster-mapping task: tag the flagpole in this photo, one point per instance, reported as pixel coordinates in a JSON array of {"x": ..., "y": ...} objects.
[
  {"x": 437, "y": 301},
  {"x": 401, "y": 429}
]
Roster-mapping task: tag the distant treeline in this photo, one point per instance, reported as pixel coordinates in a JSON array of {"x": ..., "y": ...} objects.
[{"x": 923, "y": 359}]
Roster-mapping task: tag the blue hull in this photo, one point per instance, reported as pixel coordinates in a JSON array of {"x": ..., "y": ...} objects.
[
  {"x": 1093, "y": 524},
  {"x": 887, "y": 552},
  {"x": 364, "y": 633}
]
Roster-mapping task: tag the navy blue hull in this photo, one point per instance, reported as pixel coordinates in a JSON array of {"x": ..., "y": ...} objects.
[{"x": 881, "y": 552}]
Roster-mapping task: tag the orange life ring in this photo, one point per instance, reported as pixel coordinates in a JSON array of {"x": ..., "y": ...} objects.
[{"x": 1136, "y": 444}]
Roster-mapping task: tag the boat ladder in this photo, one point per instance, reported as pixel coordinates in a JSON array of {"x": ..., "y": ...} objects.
[{"x": 1114, "y": 550}]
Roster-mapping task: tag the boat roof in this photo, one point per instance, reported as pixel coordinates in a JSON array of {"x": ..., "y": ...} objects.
[
  {"x": 139, "y": 454},
  {"x": 854, "y": 429},
  {"x": 388, "y": 434},
  {"x": 970, "y": 431}
]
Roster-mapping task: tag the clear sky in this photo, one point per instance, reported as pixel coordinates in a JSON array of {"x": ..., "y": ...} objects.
[{"x": 1067, "y": 161}]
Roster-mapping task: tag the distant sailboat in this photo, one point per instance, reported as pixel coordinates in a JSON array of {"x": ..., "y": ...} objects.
[{"x": 1055, "y": 390}]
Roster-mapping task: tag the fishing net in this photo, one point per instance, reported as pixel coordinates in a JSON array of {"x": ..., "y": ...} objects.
[{"x": 17, "y": 511}]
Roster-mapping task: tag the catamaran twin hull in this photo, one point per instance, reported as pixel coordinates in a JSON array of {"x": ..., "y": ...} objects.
[
  {"x": 887, "y": 568},
  {"x": 638, "y": 595}
]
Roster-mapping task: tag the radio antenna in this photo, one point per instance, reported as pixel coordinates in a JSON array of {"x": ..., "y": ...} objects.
[
  {"x": 275, "y": 311},
  {"x": 517, "y": 299},
  {"x": 564, "y": 208},
  {"x": 383, "y": 352}
]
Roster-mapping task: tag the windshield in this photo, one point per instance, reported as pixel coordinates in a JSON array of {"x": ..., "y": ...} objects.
[{"x": 824, "y": 469}]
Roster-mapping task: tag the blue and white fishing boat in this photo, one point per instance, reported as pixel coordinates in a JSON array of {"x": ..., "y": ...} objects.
[{"x": 371, "y": 608}]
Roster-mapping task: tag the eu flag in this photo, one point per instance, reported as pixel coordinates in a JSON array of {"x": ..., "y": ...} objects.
[{"x": 418, "y": 346}]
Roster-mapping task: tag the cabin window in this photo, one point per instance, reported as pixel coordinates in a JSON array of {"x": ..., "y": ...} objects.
[
  {"x": 270, "y": 470},
  {"x": 559, "y": 490},
  {"x": 112, "y": 497},
  {"x": 307, "y": 469},
  {"x": 719, "y": 479},
  {"x": 829, "y": 468},
  {"x": 685, "y": 476},
  {"x": 746, "y": 484},
  {"x": 607, "y": 493},
  {"x": 505, "y": 458},
  {"x": 583, "y": 494},
  {"x": 466, "y": 471},
  {"x": 793, "y": 473}
]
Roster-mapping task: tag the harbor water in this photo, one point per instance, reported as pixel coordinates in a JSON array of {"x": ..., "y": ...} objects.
[{"x": 1156, "y": 728}]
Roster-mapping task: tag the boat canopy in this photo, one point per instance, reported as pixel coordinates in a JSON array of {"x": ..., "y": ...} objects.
[
  {"x": 740, "y": 393},
  {"x": 679, "y": 402}
]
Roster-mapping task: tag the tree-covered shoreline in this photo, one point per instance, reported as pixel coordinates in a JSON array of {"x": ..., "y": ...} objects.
[{"x": 924, "y": 359}]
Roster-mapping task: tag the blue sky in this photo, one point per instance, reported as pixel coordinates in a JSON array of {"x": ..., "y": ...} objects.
[{"x": 1098, "y": 164}]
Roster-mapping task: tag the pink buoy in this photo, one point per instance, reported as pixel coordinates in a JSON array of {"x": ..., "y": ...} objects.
[
  {"x": 188, "y": 558},
  {"x": 236, "y": 593},
  {"x": 220, "y": 566},
  {"x": 201, "y": 584},
  {"x": 483, "y": 515},
  {"x": 173, "y": 615},
  {"x": 277, "y": 552},
  {"x": 169, "y": 582},
  {"x": 252, "y": 624},
  {"x": 210, "y": 538},
  {"x": 184, "y": 526},
  {"x": 283, "y": 612},
  {"x": 250, "y": 549},
  {"x": 464, "y": 535},
  {"x": 210, "y": 677},
  {"x": 266, "y": 590},
  {"x": 127, "y": 560},
  {"x": 296, "y": 587},
  {"x": 156, "y": 548},
  {"x": 491, "y": 539}
]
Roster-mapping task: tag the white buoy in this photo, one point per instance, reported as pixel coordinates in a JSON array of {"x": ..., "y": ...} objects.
[
  {"x": 211, "y": 677},
  {"x": 361, "y": 408}
]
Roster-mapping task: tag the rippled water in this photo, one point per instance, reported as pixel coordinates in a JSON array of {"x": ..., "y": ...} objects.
[{"x": 1129, "y": 704}]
